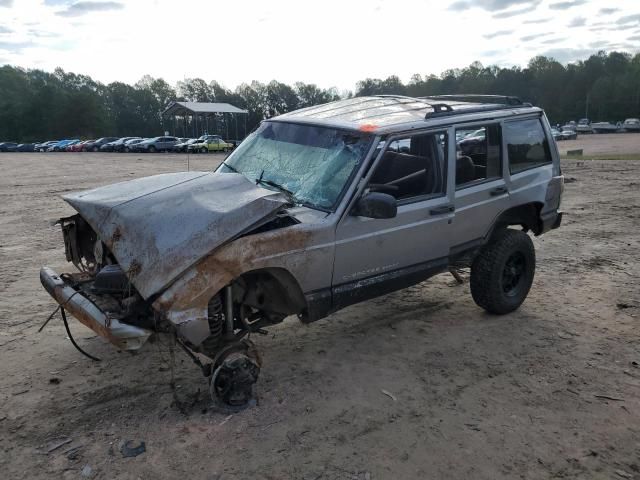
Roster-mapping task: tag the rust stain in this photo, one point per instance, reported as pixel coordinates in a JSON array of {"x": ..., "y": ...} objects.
[
  {"x": 88, "y": 321},
  {"x": 116, "y": 236},
  {"x": 134, "y": 269},
  {"x": 228, "y": 263}
]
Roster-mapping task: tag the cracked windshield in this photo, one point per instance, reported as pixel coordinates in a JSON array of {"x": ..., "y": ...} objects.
[{"x": 310, "y": 164}]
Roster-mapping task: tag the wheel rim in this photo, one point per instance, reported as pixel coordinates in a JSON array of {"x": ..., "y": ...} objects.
[{"x": 514, "y": 274}]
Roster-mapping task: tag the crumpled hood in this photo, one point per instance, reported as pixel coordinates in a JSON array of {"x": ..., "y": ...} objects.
[{"x": 157, "y": 227}]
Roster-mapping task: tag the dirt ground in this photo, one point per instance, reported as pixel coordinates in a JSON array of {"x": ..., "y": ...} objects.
[
  {"x": 603, "y": 144},
  {"x": 418, "y": 384}
]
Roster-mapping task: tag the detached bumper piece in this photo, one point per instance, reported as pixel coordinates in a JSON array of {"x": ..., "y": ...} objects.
[{"x": 122, "y": 335}]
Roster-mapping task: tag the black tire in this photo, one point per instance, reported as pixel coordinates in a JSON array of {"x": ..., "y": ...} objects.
[
  {"x": 95, "y": 149},
  {"x": 503, "y": 271},
  {"x": 151, "y": 149},
  {"x": 204, "y": 150}
]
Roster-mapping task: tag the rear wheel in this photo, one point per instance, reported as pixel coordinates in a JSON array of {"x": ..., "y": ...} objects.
[
  {"x": 95, "y": 149},
  {"x": 203, "y": 150},
  {"x": 152, "y": 149},
  {"x": 503, "y": 271}
]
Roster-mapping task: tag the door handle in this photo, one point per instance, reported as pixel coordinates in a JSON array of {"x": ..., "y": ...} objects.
[
  {"x": 498, "y": 191},
  {"x": 442, "y": 210}
]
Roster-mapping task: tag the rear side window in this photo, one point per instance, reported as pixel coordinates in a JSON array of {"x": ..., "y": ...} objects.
[
  {"x": 478, "y": 154},
  {"x": 527, "y": 145}
]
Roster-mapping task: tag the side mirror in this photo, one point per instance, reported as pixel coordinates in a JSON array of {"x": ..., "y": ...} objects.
[{"x": 376, "y": 205}]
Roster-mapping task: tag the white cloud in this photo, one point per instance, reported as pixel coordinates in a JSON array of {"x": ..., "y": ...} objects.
[{"x": 336, "y": 43}]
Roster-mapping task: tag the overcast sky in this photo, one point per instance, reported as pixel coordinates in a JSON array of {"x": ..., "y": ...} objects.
[{"x": 333, "y": 43}]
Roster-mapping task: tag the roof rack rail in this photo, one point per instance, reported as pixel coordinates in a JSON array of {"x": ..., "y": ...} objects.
[
  {"x": 441, "y": 109},
  {"x": 473, "y": 98},
  {"x": 477, "y": 109},
  {"x": 415, "y": 99}
]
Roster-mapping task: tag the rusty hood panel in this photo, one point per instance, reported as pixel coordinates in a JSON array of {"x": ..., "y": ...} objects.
[{"x": 157, "y": 227}]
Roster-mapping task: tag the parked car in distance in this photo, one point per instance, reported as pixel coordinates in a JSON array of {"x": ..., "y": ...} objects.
[
  {"x": 156, "y": 144},
  {"x": 563, "y": 133},
  {"x": 584, "y": 126},
  {"x": 307, "y": 217},
  {"x": 96, "y": 144},
  {"x": 184, "y": 144},
  {"x": 215, "y": 144},
  {"x": 235, "y": 143},
  {"x": 606, "y": 127},
  {"x": 569, "y": 134},
  {"x": 42, "y": 147},
  {"x": 61, "y": 145},
  {"x": 8, "y": 146},
  {"x": 129, "y": 145},
  {"x": 26, "y": 147},
  {"x": 557, "y": 134},
  {"x": 77, "y": 147},
  {"x": 116, "y": 145},
  {"x": 70, "y": 146},
  {"x": 631, "y": 125}
]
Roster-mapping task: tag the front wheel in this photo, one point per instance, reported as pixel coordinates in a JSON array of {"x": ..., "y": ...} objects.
[
  {"x": 151, "y": 149},
  {"x": 203, "y": 150},
  {"x": 502, "y": 273}
]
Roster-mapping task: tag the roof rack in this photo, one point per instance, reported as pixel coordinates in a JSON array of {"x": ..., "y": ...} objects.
[
  {"x": 441, "y": 109},
  {"x": 474, "y": 98},
  {"x": 405, "y": 97}
]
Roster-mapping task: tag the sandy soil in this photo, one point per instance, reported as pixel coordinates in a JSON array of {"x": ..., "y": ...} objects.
[
  {"x": 603, "y": 144},
  {"x": 550, "y": 391}
]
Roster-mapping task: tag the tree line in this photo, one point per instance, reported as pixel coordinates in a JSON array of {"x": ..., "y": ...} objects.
[{"x": 38, "y": 105}]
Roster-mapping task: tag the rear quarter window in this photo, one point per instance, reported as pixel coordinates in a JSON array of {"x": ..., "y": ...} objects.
[{"x": 527, "y": 145}]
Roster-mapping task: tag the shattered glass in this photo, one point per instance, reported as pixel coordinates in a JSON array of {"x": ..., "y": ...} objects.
[{"x": 313, "y": 163}]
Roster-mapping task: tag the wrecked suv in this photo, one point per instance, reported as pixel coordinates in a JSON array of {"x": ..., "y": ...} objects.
[{"x": 318, "y": 209}]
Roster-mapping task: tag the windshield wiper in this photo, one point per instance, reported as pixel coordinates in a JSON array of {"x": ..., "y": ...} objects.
[
  {"x": 233, "y": 169},
  {"x": 277, "y": 186}
]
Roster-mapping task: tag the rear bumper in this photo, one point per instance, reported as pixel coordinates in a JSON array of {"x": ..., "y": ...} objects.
[
  {"x": 122, "y": 335},
  {"x": 551, "y": 220}
]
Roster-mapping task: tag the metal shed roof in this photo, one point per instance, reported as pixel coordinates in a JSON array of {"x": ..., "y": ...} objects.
[{"x": 181, "y": 108}]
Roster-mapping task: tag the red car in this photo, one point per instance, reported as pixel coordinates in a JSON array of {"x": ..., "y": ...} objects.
[{"x": 77, "y": 147}]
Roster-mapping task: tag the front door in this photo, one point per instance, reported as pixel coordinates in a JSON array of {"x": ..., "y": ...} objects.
[{"x": 376, "y": 256}]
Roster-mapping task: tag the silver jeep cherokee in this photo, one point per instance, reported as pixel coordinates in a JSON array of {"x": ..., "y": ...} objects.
[{"x": 318, "y": 209}]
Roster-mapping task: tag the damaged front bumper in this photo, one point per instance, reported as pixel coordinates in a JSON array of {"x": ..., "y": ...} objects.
[{"x": 122, "y": 335}]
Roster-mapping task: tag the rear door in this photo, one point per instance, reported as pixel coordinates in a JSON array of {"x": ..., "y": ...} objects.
[
  {"x": 530, "y": 162},
  {"x": 375, "y": 256},
  {"x": 162, "y": 143},
  {"x": 481, "y": 192}
]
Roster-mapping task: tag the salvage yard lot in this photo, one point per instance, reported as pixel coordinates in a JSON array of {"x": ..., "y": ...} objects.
[{"x": 418, "y": 384}]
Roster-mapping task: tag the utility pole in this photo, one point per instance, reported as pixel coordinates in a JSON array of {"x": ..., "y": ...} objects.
[{"x": 586, "y": 108}]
